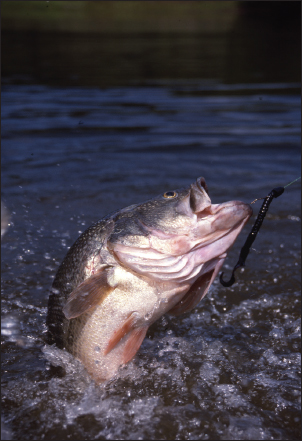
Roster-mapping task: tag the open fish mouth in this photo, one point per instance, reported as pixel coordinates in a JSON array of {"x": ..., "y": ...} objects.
[
  {"x": 182, "y": 258},
  {"x": 225, "y": 221}
]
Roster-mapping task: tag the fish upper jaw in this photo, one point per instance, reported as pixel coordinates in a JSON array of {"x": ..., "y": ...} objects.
[
  {"x": 220, "y": 219},
  {"x": 199, "y": 198},
  {"x": 230, "y": 213}
]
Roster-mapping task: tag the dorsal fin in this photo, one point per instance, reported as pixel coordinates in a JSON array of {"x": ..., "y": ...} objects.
[{"x": 88, "y": 294}]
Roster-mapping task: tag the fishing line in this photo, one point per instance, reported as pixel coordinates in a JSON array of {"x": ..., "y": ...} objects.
[
  {"x": 275, "y": 193},
  {"x": 292, "y": 182}
]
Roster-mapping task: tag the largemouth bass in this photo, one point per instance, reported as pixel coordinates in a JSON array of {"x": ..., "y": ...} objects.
[{"x": 133, "y": 266}]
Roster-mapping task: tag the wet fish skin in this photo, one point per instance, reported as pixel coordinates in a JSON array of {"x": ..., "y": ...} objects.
[
  {"x": 71, "y": 273},
  {"x": 130, "y": 268}
]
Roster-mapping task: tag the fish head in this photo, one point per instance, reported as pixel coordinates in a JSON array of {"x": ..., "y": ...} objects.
[{"x": 179, "y": 235}]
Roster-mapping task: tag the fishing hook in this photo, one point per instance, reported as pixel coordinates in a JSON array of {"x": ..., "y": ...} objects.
[{"x": 275, "y": 193}]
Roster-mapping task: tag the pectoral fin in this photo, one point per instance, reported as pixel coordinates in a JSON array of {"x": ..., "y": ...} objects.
[{"x": 88, "y": 294}]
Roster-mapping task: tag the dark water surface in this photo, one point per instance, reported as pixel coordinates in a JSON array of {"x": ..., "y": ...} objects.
[{"x": 230, "y": 369}]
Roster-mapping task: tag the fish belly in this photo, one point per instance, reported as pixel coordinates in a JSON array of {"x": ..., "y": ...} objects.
[{"x": 111, "y": 334}]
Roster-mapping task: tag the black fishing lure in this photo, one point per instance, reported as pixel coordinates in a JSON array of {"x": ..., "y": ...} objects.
[{"x": 276, "y": 192}]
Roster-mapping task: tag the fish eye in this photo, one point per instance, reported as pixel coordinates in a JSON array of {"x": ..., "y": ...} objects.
[{"x": 170, "y": 194}]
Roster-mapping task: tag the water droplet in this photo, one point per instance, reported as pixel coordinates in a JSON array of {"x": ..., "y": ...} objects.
[{"x": 148, "y": 316}]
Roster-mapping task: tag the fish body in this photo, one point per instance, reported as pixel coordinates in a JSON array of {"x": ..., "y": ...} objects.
[{"x": 130, "y": 268}]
